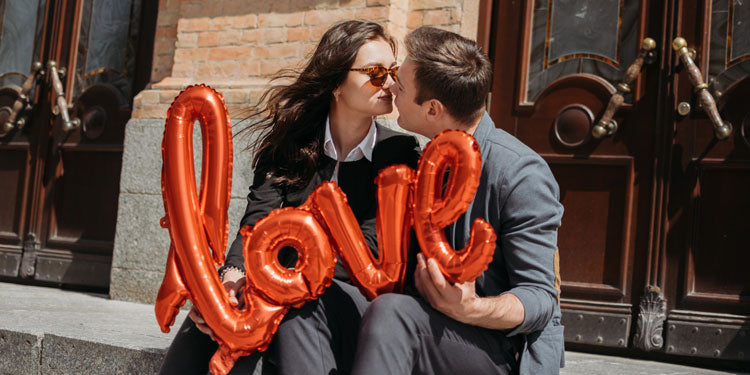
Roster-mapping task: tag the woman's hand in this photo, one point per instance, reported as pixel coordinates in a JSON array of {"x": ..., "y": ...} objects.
[{"x": 234, "y": 283}]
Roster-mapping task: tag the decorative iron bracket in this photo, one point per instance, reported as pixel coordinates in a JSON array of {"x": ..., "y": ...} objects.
[
  {"x": 651, "y": 318},
  {"x": 28, "y": 261}
]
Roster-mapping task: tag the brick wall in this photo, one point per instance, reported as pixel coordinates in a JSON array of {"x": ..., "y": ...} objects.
[{"x": 236, "y": 45}]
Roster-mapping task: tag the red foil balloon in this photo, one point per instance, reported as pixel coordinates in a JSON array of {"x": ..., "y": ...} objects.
[
  {"x": 433, "y": 210},
  {"x": 386, "y": 273},
  {"x": 198, "y": 223}
]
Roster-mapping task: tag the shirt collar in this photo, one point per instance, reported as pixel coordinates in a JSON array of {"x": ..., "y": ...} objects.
[{"x": 363, "y": 149}]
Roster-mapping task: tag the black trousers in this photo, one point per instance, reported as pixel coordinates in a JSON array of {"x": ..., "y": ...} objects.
[
  {"x": 401, "y": 334},
  {"x": 319, "y": 338}
]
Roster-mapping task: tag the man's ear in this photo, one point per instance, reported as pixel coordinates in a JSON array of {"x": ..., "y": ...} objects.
[{"x": 435, "y": 110}]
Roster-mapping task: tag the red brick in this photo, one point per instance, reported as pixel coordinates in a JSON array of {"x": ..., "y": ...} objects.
[
  {"x": 164, "y": 47},
  {"x": 166, "y": 32},
  {"x": 194, "y": 24},
  {"x": 250, "y": 36},
  {"x": 372, "y": 14},
  {"x": 430, "y": 4},
  {"x": 295, "y": 19},
  {"x": 168, "y": 18},
  {"x": 271, "y": 20},
  {"x": 276, "y": 51},
  {"x": 250, "y": 68},
  {"x": 225, "y": 69},
  {"x": 414, "y": 20},
  {"x": 317, "y": 32},
  {"x": 298, "y": 34},
  {"x": 230, "y": 37},
  {"x": 183, "y": 69},
  {"x": 192, "y": 9},
  {"x": 274, "y": 35},
  {"x": 248, "y": 21},
  {"x": 327, "y": 17},
  {"x": 236, "y": 96},
  {"x": 187, "y": 40},
  {"x": 437, "y": 17},
  {"x": 208, "y": 39},
  {"x": 371, "y": 3},
  {"x": 190, "y": 54},
  {"x": 230, "y": 53},
  {"x": 353, "y": 3}
]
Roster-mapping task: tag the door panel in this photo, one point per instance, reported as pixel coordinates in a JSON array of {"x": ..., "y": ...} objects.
[
  {"x": 20, "y": 47},
  {"x": 572, "y": 56},
  {"x": 68, "y": 167},
  {"x": 709, "y": 206},
  {"x": 655, "y": 232}
]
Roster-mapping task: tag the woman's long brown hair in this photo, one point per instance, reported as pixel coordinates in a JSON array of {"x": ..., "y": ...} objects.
[{"x": 291, "y": 117}]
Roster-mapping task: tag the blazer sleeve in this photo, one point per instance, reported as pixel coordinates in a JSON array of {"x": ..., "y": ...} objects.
[
  {"x": 530, "y": 216},
  {"x": 262, "y": 199}
]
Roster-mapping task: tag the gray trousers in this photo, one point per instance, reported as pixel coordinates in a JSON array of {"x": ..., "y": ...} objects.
[
  {"x": 401, "y": 334},
  {"x": 318, "y": 338},
  {"x": 342, "y": 333}
]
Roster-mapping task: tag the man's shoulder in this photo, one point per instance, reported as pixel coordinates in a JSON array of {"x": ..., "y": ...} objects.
[{"x": 504, "y": 151}]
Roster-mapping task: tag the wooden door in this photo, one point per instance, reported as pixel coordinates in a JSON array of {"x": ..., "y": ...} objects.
[
  {"x": 647, "y": 243},
  {"x": 707, "y": 216},
  {"x": 61, "y": 152}
]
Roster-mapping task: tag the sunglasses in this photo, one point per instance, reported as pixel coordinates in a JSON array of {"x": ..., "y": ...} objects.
[{"x": 379, "y": 74}]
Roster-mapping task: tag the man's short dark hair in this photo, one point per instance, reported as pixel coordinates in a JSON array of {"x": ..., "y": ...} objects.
[{"x": 451, "y": 69}]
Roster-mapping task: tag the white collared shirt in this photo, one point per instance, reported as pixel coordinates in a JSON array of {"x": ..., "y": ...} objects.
[{"x": 363, "y": 149}]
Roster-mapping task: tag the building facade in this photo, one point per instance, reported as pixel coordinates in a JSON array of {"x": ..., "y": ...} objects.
[{"x": 639, "y": 107}]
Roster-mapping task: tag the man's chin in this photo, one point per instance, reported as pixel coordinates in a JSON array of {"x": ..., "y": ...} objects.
[{"x": 400, "y": 122}]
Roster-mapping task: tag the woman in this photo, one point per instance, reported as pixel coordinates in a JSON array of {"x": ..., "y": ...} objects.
[{"x": 319, "y": 127}]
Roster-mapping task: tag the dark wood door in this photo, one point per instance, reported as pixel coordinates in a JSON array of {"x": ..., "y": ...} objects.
[
  {"x": 649, "y": 247},
  {"x": 67, "y": 84}
]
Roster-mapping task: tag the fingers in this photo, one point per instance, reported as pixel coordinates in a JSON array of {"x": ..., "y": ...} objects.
[
  {"x": 424, "y": 283},
  {"x": 437, "y": 276},
  {"x": 196, "y": 316},
  {"x": 200, "y": 323},
  {"x": 233, "y": 298}
]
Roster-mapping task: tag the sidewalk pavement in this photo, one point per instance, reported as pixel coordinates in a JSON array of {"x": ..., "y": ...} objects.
[{"x": 52, "y": 331}]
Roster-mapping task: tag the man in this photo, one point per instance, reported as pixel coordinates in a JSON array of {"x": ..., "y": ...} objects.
[{"x": 508, "y": 319}]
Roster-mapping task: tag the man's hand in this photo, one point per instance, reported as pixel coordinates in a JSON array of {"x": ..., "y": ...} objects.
[
  {"x": 458, "y": 301},
  {"x": 234, "y": 283}
]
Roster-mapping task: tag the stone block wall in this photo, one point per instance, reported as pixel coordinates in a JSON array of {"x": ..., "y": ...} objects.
[{"x": 235, "y": 46}]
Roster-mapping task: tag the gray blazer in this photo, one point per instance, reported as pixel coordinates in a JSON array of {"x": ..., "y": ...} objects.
[{"x": 519, "y": 197}]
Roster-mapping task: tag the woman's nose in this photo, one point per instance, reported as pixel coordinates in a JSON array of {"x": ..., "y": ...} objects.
[{"x": 390, "y": 84}]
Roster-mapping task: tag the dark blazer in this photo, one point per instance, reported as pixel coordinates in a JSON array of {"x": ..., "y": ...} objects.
[
  {"x": 356, "y": 179},
  {"x": 519, "y": 197}
]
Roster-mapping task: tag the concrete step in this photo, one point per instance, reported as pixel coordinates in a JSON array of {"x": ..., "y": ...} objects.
[{"x": 52, "y": 331}]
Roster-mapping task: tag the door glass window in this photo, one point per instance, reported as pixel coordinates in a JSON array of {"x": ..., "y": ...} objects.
[
  {"x": 580, "y": 36},
  {"x": 17, "y": 39},
  {"x": 729, "y": 52},
  {"x": 106, "y": 46}
]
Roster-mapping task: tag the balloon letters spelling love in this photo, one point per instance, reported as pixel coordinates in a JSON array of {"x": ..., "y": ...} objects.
[
  {"x": 325, "y": 223},
  {"x": 197, "y": 224}
]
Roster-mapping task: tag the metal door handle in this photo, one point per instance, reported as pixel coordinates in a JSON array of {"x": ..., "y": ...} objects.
[
  {"x": 722, "y": 129},
  {"x": 22, "y": 101},
  {"x": 606, "y": 125},
  {"x": 60, "y": 105}
]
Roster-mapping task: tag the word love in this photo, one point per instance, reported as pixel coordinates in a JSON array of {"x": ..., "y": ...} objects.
[{"x": 321, "y": 228}]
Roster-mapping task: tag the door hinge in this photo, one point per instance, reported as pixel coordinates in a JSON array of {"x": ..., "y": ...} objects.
[{"x": 28, "y": 259}]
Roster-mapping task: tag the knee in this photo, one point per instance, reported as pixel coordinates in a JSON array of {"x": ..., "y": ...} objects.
[{"x": 387, "y": 314}]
